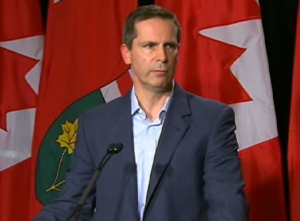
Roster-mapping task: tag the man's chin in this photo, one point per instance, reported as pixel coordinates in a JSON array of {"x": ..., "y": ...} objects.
[{"x": 164, "y": 86}]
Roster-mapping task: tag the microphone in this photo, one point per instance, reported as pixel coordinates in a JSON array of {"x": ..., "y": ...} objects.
[
  {"x": 111, "y": 150},
  {"x": 115, "y": 148}
]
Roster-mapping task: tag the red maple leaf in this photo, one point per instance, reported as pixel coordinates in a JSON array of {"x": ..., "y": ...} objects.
[
  {"x": 15, "y": 92},
  {"x": 204, "y": 63}
]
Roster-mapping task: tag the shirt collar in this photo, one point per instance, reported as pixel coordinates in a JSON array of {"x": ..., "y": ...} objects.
[{"x": 135, "y": 107}]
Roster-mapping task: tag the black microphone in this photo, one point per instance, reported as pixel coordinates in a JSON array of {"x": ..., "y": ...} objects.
[
  {"x": 114, "y": 148},
  {"x": 111, "y": 150}
]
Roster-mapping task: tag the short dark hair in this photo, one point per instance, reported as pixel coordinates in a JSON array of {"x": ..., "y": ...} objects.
[{"x": 144, "y": 13}]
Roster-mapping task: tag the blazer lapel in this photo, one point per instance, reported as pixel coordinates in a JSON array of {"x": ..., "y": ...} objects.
[
  {"x": 123, "y": 132},
  {"x": 174, "y": 128}
]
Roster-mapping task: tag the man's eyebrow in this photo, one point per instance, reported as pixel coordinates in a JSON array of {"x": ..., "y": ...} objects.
[
  {"x": 171, "y": 43},
  {"x": 156, "y": 43},
  {"x": 149, "y": 42}
]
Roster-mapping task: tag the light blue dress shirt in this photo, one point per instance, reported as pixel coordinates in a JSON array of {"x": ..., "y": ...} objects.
[{"x": 146, "y": 135}]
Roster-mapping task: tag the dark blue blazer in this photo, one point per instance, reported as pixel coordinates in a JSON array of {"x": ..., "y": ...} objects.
[{"x": 196, "y": 174}]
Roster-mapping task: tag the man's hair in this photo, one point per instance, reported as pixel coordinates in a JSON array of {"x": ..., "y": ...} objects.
[{"x": 144, "y": 13}]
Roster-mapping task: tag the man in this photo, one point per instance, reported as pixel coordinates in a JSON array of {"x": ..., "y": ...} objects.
[{"x": 179, "y": 160}]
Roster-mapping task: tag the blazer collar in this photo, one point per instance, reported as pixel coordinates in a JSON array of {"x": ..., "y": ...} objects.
[{"x": 174, "y": 128}]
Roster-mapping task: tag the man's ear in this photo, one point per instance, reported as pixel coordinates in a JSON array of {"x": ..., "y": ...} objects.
[{"x": 125, "y": 54}]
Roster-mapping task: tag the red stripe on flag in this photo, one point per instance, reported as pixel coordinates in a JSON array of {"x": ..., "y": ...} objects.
[
  {"x": 294, "y": 133},
  {"x": 14, "y": 192},
  {"x": 263, "y": 184},
  {"x": 20, "y": 25}
]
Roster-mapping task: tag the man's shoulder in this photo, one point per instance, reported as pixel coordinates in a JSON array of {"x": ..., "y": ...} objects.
[
  {"x": 199, "y": 102},
  {"x": 207, "y": 102}
]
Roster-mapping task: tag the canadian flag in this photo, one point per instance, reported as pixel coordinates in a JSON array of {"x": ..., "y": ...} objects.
[
  {"x": 294, "y": 133},
  {"x": 21, "y": 51},
  {"x": 222, "y": 57}
]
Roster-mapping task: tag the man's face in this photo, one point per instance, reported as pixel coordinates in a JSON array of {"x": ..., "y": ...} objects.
[{"x": 154, "y": 54}]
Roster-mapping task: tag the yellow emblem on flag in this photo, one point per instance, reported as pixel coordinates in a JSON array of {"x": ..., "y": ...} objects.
[{"x": 68, "y": 138}]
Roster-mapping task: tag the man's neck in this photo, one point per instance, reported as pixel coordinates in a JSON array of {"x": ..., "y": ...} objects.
[{"x": 152, "y": 102}]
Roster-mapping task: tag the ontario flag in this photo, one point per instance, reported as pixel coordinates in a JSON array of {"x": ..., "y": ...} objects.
[
  {"x": 21, "y": 51},
  {"x": 294, "y": 133},
  {"x": 222, "y": 57},
  {"x": 82, "y": 68}
]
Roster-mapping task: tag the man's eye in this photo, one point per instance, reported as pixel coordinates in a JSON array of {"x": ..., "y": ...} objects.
[
  {"x": 148, "y": 46},
  {"x": 171, "y": 46}
]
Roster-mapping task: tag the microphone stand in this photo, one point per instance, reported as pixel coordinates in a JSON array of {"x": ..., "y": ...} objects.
[{"x": 113, "y": 149}]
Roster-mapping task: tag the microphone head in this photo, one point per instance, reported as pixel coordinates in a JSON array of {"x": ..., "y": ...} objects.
[{"x": 115, "y": 148}]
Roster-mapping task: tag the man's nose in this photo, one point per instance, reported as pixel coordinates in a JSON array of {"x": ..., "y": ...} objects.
[{"x": 161, "y": 54}]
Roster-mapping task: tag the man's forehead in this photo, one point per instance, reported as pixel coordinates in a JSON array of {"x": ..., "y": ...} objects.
[
  {"x": 152, "y": 28},
  {"x": 154, "y": 20}
]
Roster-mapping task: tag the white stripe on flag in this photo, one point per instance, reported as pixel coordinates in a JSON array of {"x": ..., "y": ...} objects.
[{"x": 111, "y": 91}]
